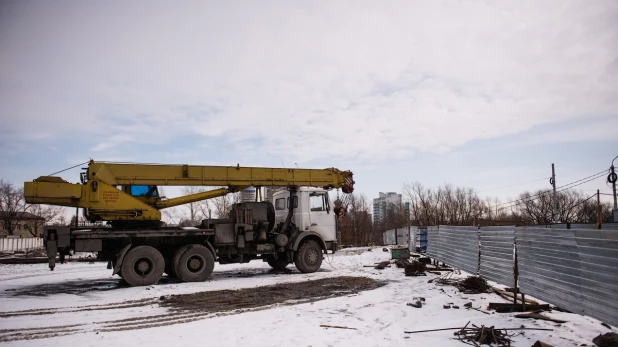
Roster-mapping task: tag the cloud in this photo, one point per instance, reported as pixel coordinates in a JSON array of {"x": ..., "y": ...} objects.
[{"x": 309, "y": 81}]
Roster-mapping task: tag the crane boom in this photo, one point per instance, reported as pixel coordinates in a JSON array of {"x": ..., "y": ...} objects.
[{"x": 109, "y": 191}]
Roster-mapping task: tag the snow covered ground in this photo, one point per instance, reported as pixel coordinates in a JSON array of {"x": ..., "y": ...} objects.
[{"x": 76, "y": 304}]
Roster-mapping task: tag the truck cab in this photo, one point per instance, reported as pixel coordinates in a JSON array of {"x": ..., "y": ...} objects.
[{"x": 313, "y": 212}]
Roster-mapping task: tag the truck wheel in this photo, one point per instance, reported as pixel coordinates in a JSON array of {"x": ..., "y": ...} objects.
[
  {"x": 175, "y": 259},
  {"x": 308, "y": 257},
  {"x": 280, "y": 263},
  {"x": 195, "y": 264},
  {"x": 142, "y": 266}
]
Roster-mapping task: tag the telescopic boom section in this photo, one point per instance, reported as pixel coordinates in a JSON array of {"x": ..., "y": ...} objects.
[{"x": 108, "y": 190}]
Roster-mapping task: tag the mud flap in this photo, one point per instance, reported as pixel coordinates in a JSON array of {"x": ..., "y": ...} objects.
[
  {"x": 120, "y": 258},
  {"x": 212, "y": 249}
]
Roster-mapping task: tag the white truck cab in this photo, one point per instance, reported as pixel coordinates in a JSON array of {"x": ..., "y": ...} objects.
[{"x": 313, "y": 211}]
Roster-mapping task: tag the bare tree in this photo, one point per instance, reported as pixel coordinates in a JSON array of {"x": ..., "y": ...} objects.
[
  {"x": 48, "y": 214},
  {"x": 223, "y": 204},
  {"x": 196, "y": 211},
  {"x": 446, "y": 205},
  {"x": 539, "y": 207},
  {"x": 356, "y": 227},
  {"x": 12, "y": 205}
]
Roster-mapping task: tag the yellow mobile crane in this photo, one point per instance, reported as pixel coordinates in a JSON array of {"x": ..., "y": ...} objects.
[{"x": 299, "y": 228}]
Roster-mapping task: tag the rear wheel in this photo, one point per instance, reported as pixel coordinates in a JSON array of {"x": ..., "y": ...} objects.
[
  {"x": 175, "y": 259},
  {"x": 142, "y": 266},
  {"x": 280, "y": 263},
  {"x": 308, "y": 257},
  {"x": 194, "y": 263}
]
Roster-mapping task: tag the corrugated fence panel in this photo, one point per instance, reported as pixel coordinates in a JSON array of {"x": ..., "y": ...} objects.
[
  {"x": 598, "y": 251},
  {"x": 432, "y": 242},
  {"x": 549, "y": 266},
  {"x": 458, "y": 246},
  {"x": 412, "y": 234},
  {"x": 497, "y": 254}
]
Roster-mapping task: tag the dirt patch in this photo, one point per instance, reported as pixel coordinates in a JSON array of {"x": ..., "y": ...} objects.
[
  {"x": 186, "y": 308},
  {"x": 292, "y": 293},
  {"x": 69, "y": 287}
]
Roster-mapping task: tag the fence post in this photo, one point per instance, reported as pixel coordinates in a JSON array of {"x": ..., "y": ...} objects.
[
  {"x": 515, "y": 270},
  {"x": 478, "y": 264}
]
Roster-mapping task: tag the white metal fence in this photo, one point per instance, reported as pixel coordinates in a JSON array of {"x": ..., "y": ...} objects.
[
  {"x": 20, "y": 244},
  {"x": 397, "y": 236}
]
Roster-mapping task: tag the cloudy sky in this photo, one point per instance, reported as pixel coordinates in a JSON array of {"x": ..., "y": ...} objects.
[{"x": 479, "y": 94}]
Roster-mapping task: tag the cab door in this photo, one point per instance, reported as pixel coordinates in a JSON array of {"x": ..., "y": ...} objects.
[{"x": 321, "y": 216}]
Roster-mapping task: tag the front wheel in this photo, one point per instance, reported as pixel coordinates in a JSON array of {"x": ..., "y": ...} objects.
[{"x": 308, "y": 257}]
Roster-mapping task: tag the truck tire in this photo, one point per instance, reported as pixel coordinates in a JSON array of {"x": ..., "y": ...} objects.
[
  {"x": 176, "y": 258},
  {"x": 194, "y": 263},
  {"x": 280, "y": 263},
  {"x": 142, "y": 266},
  {"x": 308, "y": 257}
]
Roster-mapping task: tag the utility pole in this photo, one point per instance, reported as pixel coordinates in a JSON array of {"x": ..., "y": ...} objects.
[
  {"x": 612, "y": 178},
  {"x": 599, "y": 219},
  {"x": 552, "y": 180}
]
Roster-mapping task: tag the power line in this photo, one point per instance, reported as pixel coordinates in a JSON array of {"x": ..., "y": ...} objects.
[
  {"x": 513, "y": 185},
  {"x": 579, "y": 184},
  {"x": 581, "y": 202},
  {"x": 568, "y": 186}
]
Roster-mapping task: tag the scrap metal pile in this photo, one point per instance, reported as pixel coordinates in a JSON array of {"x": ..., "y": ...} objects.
[{"x": 483, "y": 335}]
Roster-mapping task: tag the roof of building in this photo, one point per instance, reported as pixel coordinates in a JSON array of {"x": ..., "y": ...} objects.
[{"x": 21, "y": 216}]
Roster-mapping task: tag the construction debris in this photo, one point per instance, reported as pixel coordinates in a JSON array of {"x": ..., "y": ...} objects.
[
  {"x": 606, "y": 340},
  {"x": 484, "y": 335},
  {"x": 336, "y": 326},
  {"x": 382, "y": 265},
  {"x": 425, "y": 260},
  {"x": 510, "y": 296},
  {"x": 417, "y": 304},
  {"x": 502, "y": 307},
  {"x": 402, "y": 263},
  {"x": 536, "y": 315},
  {"x": 541, "y": 344},
  {"x": 415, "y": 268},
  {"x": 470, "y": 285},
  {"x": 475, "y": 327}
]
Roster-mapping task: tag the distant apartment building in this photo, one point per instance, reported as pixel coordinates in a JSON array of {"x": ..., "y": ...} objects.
[{"x": 386, "y": 204}]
